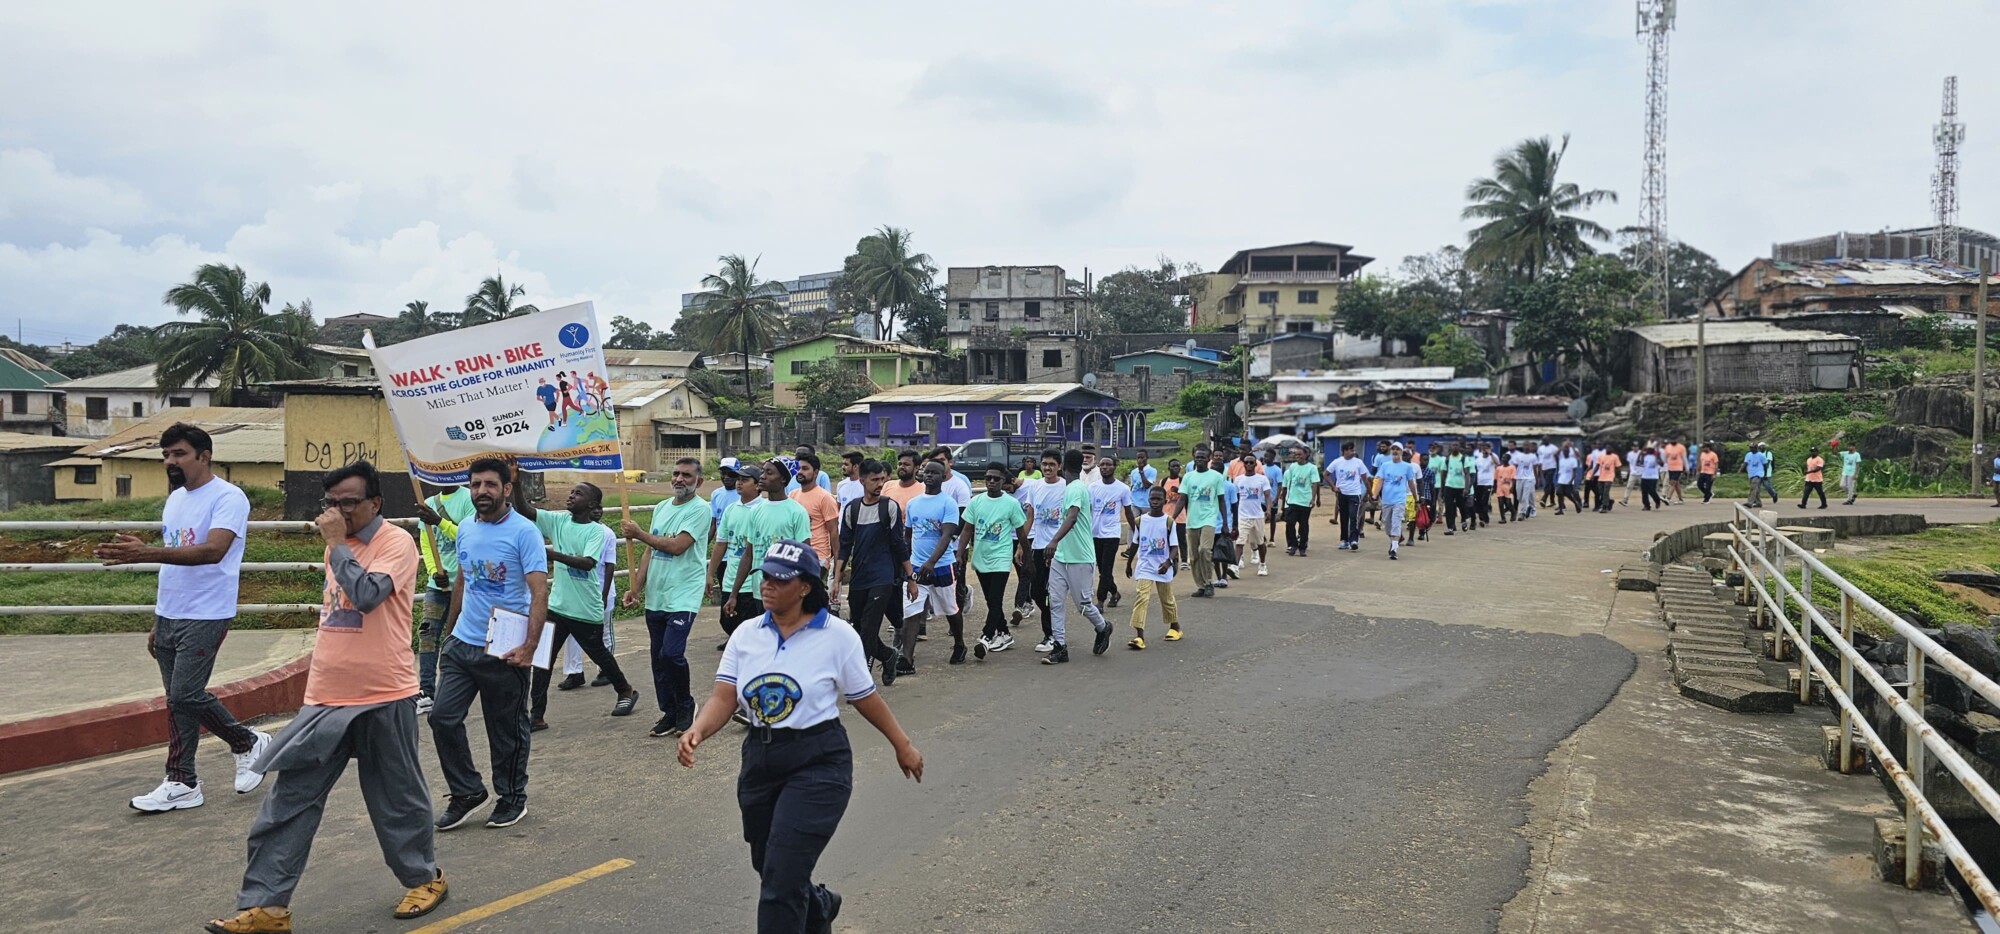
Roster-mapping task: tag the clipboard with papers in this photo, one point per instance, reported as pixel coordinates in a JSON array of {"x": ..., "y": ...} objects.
[{"x": 506, "y": 630}]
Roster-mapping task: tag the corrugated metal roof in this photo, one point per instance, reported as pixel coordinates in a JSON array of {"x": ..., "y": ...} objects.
[
  {"x": 136, "y": 379},
  {"x": 1448, "y": 429},
  {"x": 1029, "y": 393},
  {"x": 213, "y": 419},
  {"x": 638, "y": 393},
  {"x": 234, "y": 444},
  {"x": 671, "y": 358},
  {"x": 18, "y": 441},
  {"x": 1870, "y": 272},
  {"x": 1719, "y": 333},
  {"x": 1370, "y": 374}
]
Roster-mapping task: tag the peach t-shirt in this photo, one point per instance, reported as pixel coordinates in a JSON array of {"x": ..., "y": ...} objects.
[
  {"x": 822, "y": 514},
  {"x": 364, "y": 658},
  {"x": 1709, "y": 462},
  {"x": 1607, "y": 467},
  {"x": 1815, "y": 467},
  {"x": 1677, "y": 456}
]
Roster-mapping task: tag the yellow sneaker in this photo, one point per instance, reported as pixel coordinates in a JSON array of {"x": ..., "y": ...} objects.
[
  {"x": 1138, "y": 642},
  {"x": 1174, "y": 634},
  {"x": 253, "y": 921},
  {"x": 423, "y": 899}
]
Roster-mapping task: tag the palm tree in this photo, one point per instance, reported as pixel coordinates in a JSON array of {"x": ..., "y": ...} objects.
[
  {"x": 1529, "y": 225},
  {"x": 890, "y": 274},
  {"x": 741, "y": 312},
  {"x": 416, "y": 318},
  {"x": 494, "y": 301},
  {"x": 236, "y": 340}
]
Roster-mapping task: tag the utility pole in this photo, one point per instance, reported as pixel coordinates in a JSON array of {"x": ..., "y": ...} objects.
[{"x": 1979, "y": 456}]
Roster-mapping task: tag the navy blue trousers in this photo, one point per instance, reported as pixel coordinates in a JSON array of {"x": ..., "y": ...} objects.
[
  {"x": 793, "y": 793},
  {"x": 669, "y": 632}
]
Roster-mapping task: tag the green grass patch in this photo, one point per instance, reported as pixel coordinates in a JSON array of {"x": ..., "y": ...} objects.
[{"x": 1902, "y": 576}]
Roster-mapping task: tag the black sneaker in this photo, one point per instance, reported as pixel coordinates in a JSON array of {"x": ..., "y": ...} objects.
[
  {"x": 979, "y": 650},
  {"x": 832, "y": 909},
  {"x": 1057, "y": 656},
  {"x": 1103, "y": 641},
  {"x": 537, "y": 725},
  {"x": 905, "y": 667},
  {"x": 601, "y": 680},
  {"x": 625, "y": 704},
  {"x": 1116, "y": 598},
  {"x": 890, "y": 665},
  {"x": 458, "y": 811},
  {"x": 684, "y": 721},
  {"x": 570, "y": 683},
  {"x": 663, "y": 727},
  {"x": 507, "y": 815},
  {"x": 957, "y": 655}
]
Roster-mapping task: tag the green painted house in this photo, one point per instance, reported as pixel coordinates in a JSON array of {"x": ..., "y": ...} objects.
[
  {"x": 1162, "y": 361},
  {"x": 887, "y": 364},
  {"x": 28, "y": 404}
]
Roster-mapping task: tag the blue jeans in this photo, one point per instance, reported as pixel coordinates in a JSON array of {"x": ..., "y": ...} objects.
[
  {"x": 1764, "y": 484},
  {"x": 669, "y": 632}
]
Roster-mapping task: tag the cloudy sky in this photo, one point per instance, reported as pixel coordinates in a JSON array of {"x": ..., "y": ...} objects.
[{"x": 367, "y": 154}]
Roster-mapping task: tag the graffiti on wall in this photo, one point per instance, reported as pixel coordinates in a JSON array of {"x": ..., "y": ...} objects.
[{"x": 326, "y": 455}]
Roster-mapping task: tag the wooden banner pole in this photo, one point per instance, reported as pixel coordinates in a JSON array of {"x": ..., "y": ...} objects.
[
  {"x": 430, "y": 532},
  {"x": 625, "y": 515}
]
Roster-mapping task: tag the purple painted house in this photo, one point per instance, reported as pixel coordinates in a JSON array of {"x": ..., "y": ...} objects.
[{"x": 1057, "y": 412}]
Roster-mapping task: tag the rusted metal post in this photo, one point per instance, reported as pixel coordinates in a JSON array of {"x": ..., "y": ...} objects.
[
  {"x": 1846, "y": 681},
  {"x": 1913, "y": 759}
]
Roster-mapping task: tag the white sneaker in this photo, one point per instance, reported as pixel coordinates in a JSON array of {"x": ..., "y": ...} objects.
[
  {"x": 424, "y": 705},
  {"x": 1001, "y": 642},
  {"x": 247, "y": 776},
  {"x": 1263, "y": 570},
  {"x": 170, "y": 796},
  {"x": 987, "y": 641},
  {"x": 1045, "y": 646}
]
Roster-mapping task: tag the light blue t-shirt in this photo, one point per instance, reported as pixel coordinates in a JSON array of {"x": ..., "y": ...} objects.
[
  {"x": 929, "y": 513},
  {"x": 1276, "y": 475},
  {"x": 1377, "y": 463},
  {"x": 495, "y": 559},
  {"x": 1396, "y": 477},
  {"x": 723, "y": 499},
  {"x": 1139, "y": 493},
  {"x": 1228, "y": 518},
  {"x": 1756, "y": 463}
]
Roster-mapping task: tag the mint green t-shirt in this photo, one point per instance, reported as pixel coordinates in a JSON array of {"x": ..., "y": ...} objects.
[
  {"x": 1201, "y": 487},
  {"x": 674, "y": 583},
  {"x": 575, "y": 593},
  {"x": 1078, "y": 547},
  {"x": 732, "y": 531},
  {"x": 996, "y": 522},
  {"x": 774, "y": 520},
  {"x": 1298, "y": 480}
]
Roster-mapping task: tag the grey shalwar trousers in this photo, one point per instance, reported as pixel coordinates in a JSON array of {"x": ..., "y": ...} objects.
[
  {"x": 1068, "y": 582},
  {"x": 382, "y": 739}
]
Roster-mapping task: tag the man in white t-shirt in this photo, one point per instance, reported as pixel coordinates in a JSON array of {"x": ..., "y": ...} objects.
[
  {"x": 1044, "y": 507},
  {"x": 1527, "y": 479},
  {"x": 202, "y": 527},
  {"x": 1253, "y": 508},
  {"x": 1110, "y": 511},
  {"x": 1483, "y": 463},
  {"x": 848, "y": 489},
  {"x": 1347, "y": 475},
  {"x": 1545, "y": 463}
]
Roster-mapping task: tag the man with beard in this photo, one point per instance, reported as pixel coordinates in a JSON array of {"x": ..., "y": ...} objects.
[
  {"x": 670, "y": 583},
  {"x": 731, "y": 550},
  {"x": 202, "y": 529},
  {"x": 876, "y": 555},
  {"x": 502, "y": 565},
  {"x": 774, "y": 518}
]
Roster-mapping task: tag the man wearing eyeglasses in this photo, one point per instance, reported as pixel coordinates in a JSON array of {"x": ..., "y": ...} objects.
[{"x": 360, "y": 704}]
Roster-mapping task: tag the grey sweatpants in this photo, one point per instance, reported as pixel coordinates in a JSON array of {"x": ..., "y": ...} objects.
[
  {"x": 384, "y": 742},
  {"x": 1072, "y": 581},
  {"x": 185, "y": 650},
  {"x": 465, "y": 670},
  {"x": 1524, "y": 495}
]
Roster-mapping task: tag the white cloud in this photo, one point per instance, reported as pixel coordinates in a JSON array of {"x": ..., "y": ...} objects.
[{"x": 373, "y": 153}]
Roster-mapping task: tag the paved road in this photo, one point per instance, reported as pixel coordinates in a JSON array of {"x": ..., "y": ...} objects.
[{"x": 1295, "y": 764}]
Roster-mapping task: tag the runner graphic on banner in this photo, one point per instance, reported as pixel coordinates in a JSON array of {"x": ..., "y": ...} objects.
[{"x": 533, "y": 387}]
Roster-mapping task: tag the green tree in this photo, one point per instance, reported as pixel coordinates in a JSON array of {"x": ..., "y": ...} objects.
[
  {"x": 827, "y": 386},
  {"x": 1373, "y": 306},
  {"x": 924, "y": 320},
  {"x": 494, "y": 301},
  {"x": 887, "y": 270},
  {"x": 740, "y": 311},
  {"x": 1449, "y": 346},
  {"x": 1692, "y": 275},
  {"x": 1577, "y": 312},
  {"x": 235, "y": 340},
  {"x": 1529, "y": 220},
  {"x": 127, "y": 346},
  {"x": 1134, "y": 300},
  {"x": 627, "y": 334}
]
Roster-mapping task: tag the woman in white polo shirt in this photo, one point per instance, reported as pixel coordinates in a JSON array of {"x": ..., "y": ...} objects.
[{"x": 787, "y": 671}]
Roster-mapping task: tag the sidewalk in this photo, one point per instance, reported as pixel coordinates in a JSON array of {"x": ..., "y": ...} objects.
[{"x": 1659, "y": 814}]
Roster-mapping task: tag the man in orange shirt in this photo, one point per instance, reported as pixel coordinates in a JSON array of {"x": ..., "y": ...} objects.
[
  {"x": 822, "y": 511},
  {"x": 360, "y": 704},
  {"x": 1676, "y": 455},
  {"x": 906, "y": 487},
  {"x": 1607, "y": 473},
  {"x": 1710, "y": 462},
  {"x": 1815, "y": 478}
]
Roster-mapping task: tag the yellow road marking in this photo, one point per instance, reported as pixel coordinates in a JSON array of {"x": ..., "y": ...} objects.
[{"x": 518, "y": 899}]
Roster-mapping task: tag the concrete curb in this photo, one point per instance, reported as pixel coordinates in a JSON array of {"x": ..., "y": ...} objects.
[{"x": 84, "y": 734}]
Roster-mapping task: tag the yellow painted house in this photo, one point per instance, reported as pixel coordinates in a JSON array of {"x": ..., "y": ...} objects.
[
  {"x": 1291, "y": 288},
  {"x": 249, "y": 452}
]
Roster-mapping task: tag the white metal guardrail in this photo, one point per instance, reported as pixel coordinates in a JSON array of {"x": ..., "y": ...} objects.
[
  {"x": 249, "y": 567},
  {"x": 1761, "y": 554}
]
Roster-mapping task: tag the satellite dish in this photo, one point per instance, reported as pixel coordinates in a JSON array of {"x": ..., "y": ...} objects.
[
  {"x": 1191, "y": 345},
  {"x": 1578, "y": 408},
  {"x": 1089, "y": 380},
  {"x": 1241, "y": 409}
]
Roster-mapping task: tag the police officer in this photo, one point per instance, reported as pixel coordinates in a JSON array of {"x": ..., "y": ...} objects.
[{"x": 787, "y": 671}]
